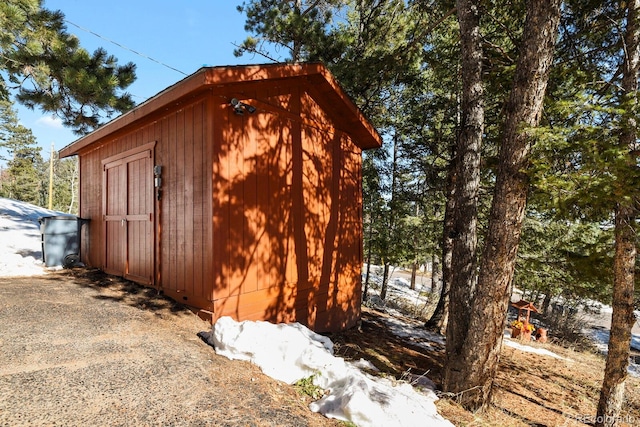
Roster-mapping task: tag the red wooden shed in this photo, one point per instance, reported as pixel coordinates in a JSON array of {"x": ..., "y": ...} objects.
[{"x": 236, "y": 191}]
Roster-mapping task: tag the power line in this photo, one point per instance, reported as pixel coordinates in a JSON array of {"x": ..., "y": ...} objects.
[
  {"x": 26, "y": 65},
  {"x": 125, "y": 47}
]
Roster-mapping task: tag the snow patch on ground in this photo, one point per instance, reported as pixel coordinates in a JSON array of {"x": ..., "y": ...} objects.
[
  {"x": 292, "y": 352},
  {"x": 21, "y": 247},
  {"x": 529, "y": 349},
  {"x": 406, "y": 330},
  {"x": 399, "y": 292},
  {"x": 414, "y": 333}
]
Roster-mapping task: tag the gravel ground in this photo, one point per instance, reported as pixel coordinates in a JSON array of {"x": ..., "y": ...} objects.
[{"x": 88, "y": 349}]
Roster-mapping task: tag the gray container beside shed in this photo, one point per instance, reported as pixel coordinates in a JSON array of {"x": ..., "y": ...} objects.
[{"x": 60, "y": 239}]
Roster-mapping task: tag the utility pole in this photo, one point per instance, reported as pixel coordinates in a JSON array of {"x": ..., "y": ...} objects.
[{"x": 51, "y": 178}]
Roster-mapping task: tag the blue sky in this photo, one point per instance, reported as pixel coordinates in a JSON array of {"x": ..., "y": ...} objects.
[{"x": 182, "y": 34}]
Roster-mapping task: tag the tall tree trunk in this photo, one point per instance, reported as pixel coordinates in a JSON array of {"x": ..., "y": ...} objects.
[
  {"x": 467, "y": 184},
  {"x": 391, "y": 217},
  {"x": 439, "y": 318},
  {"x": 368, "y": 270},
  {"x": 414, "y": 271},
  {"x": 73, "y": 180},
  {"x": 622, "y": 319},
  {"x": 436, "y": 272},
  {"x": 385, "y": 282},
  {"x": 471, "y": 371}
]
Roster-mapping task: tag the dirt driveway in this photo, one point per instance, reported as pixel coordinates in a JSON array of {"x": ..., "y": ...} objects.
[{"x": 89, "y": 349}]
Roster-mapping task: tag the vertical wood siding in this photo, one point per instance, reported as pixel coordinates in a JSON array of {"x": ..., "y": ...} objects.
[
  {"x": 183, "y": 215},
  {"x": 287, "y": 230},
  {"x": 185, "y": 254}
]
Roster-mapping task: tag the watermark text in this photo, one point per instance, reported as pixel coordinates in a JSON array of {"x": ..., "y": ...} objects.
[{"x": 602, "y": 419}]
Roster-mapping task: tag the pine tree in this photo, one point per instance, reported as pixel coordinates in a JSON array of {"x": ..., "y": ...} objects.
[
  {"x": 22, "y": 180},
  {"x": 587, "y": 157},
  {"x": 13, "y": 136},
  {"x": 286, "y": 30},
  {"x": 474, "y": 343},
  {"x": 25, "y": 180},
  {"x": 467, "y": 183},
  {"x": 560, "y": 257},
  {"x": 626, "y": 213},
  {"x": 46, "y": 68},
  {"x": 65, "y": 184}
]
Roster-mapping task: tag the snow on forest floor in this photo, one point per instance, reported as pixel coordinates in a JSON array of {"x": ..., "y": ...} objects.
[{"x": 529, "y": 349}]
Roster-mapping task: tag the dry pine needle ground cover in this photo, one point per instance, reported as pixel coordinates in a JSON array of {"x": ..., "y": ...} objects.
[{"x": 531, "y": 389}]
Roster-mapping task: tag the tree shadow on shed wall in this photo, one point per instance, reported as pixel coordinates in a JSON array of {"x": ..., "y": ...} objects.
[{"x": 285, "y": 229}]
